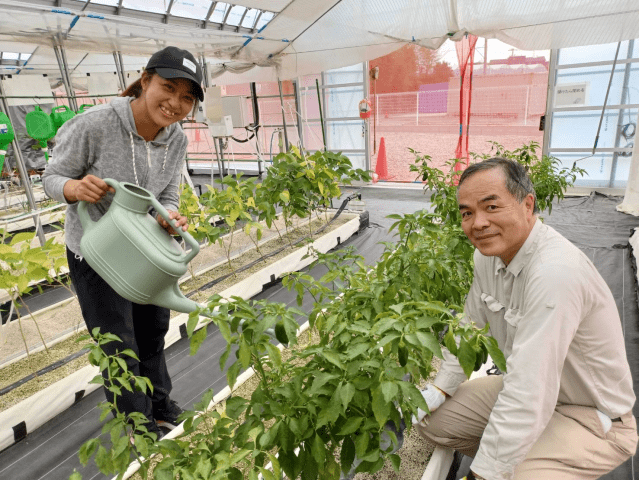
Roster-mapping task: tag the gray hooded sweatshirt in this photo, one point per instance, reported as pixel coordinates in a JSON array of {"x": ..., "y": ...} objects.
[{"x": 104, "y": 142}]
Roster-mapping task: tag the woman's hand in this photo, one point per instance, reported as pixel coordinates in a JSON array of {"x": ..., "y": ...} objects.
[
  {"x": 90, "y": 189},
  {"x": 181, "y": 222}
]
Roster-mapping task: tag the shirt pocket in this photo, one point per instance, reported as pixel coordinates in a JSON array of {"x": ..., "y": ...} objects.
[{"x": 512, "y": 317}]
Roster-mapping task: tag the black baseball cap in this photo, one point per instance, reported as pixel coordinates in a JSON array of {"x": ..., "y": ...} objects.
[{"x": 173, "y": 62}]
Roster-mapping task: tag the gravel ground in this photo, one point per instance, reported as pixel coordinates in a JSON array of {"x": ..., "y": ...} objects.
[{"x": 440, "y": 146}]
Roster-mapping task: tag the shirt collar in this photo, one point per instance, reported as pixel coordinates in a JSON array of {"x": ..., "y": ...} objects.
[{"x": 522, "y": 256}]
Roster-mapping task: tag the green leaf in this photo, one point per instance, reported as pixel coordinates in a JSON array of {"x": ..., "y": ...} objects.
[
  {"x": 495, "y": 353},
  {"x": 429, "y": 341},
  {"x": 361, "y": 443},
  {"x": 396, "y": 461},
  {"x": 467, "y": 357},
  {"x": 235, "y": 406},
  {"x": 449, "y": 341},
  {"x": 390, "y": 391},
  {"x": 346, "y": 394},
  {"x": 196, "y": 340},
  {"x": 75, "y": 475},
  {"x": 381, "y": 408},
  {"x": 318, "y": 449},
  {"x": 244, "y": 354},
  {"x": 347, "y": 454},
  {"x": 333, "y": 358},
  {"x": 351, "y": 425}
]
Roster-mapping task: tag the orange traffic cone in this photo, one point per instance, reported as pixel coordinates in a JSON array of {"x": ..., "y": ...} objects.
[{"x": 380, "y": 168}]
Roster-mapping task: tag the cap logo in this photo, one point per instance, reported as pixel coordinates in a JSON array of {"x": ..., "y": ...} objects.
[{"x": 189, "y": 64}]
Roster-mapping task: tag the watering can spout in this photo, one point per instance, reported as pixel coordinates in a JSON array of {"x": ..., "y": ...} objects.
[{"x": 172, "y": 298}]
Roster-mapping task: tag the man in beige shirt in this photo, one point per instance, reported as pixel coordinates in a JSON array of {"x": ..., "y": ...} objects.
[{"x": 563, "y": 409}]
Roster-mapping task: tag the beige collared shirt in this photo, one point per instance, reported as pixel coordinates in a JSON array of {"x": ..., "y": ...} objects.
[{"x": 557, "y": 323}]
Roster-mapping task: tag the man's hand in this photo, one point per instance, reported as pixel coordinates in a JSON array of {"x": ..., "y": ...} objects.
[
  {"x": 181, "y": 222},
  {"x": 434, "y": 398},
  {"x": 90, "y": 189}
]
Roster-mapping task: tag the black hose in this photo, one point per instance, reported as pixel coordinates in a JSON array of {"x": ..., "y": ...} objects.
[{"x": 47, "y": 369}]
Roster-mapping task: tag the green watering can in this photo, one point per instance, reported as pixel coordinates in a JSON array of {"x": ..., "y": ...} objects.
[
  {"x": 60, "y": 115},
  {"x": 40, "y": 127},
  {"x": 129, "y": 249},
  {"x": 6, "y": 137},
  {"x": 84, "y": 106}
]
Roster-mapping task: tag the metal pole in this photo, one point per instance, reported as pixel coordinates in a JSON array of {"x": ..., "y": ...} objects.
[
  {"x": 319, "y": 102},
  {"x": 624, "y": 98},
  {"x": 550, "y": 100},
  {"x": 298, "y": 118},
  {"x": 603, "y": 109},
  {"x": 118, "y": 69},
  {"x": 64, "y": 70},
  {"x": 205, "y": 70},
  {"x": 22, "y": 169},
  {"x": 279, "y": 84},
  {"x": 122, "y": 72},
  {"x": 256, "y": 122},
  {"x": 224, "y": 170},
  {"x": 367, "y": 147}
]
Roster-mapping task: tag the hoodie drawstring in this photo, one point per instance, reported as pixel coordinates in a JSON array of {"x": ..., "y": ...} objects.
[{"x": 148, "y": 157}]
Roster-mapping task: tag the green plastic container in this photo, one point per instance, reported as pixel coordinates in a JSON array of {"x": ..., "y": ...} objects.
[
  {"x": 40, "y": 127},
  {"x": 84, "y": 106},
  {"x": 6, "y": 137},
  {"x": 60, "y": 115}
]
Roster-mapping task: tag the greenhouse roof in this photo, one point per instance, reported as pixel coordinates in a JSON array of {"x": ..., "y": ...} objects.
[{"x": 262, "y": 40}]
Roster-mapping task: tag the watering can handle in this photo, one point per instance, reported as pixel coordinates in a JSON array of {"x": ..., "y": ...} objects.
[
  {"x": 195, "y": 247},
  {"x": 55, "y": 109}
]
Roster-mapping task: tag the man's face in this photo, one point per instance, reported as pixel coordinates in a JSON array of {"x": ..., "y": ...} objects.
[{"x": 494, "y": 221}]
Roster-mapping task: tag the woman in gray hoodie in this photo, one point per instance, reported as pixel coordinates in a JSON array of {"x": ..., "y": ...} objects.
[{"x": 136, "y": 139}]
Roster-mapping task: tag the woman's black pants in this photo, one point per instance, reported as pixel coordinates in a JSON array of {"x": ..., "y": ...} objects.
[{"x": 140, "y": 327}]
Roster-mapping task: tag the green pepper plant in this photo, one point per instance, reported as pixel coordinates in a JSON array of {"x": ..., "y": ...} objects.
[
  {"x": 23, "y": 267},
  {"x": 549, "y": 177}
]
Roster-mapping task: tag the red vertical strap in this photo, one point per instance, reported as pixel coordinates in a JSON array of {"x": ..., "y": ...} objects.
[{"x": 465, "y": 55}]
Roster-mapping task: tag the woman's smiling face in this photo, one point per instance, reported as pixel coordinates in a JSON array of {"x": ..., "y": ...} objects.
[{"x": 167, "y": 100}]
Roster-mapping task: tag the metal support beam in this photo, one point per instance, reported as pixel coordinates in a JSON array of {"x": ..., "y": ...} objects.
[
  {"x": 168, "y": 12},
  {"x": 620, "y": 123},
  {"x": 22, "y": 170},
  {"x": 64, "y": 71},
  {"x": 208, "y": 15},
  {"x": 117, "y": 59},
  {"x": 205, "y": 71}
]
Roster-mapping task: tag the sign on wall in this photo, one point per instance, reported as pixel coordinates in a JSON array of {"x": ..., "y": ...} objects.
[{"x": 572, "y": 94}]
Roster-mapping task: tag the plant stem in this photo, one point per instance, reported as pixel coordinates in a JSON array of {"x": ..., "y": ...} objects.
[
  {"x": 24, "y": 338},
  {"x": 34, "y": 321}
]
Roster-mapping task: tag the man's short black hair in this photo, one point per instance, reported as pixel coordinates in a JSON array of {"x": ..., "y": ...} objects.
[{"x": 517, "y": 181}]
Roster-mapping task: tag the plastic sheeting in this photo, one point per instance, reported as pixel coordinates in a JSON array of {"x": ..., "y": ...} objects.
[{"x": 308, "y": 36}]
